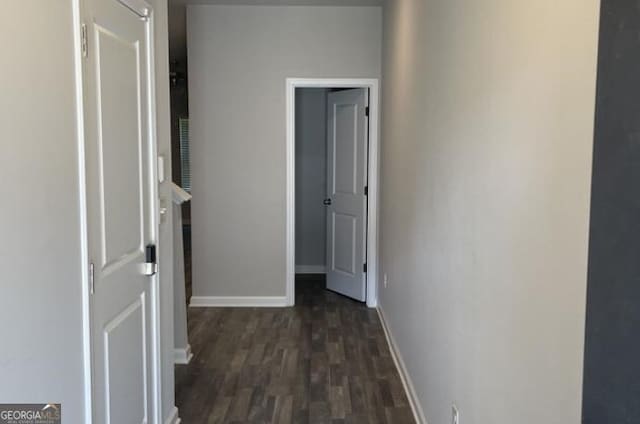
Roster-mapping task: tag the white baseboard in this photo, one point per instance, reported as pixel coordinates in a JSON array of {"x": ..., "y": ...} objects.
[
  {"x": 173, "y": 417},
  {"x": 238, "y": 301},
  {"x": 182, "y": 355},
  {"x": 418, "y": 414},
  {"x": 311, "y": 269}
]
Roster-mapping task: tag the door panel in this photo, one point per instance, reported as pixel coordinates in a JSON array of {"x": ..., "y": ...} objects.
[
  {"x": 125, "y": 362},
  {"x": 120, "y": 204},
  {"x": 345, "y": 149},
  {"x": 344, "y": 240},
  {"x": 347, "y": 133},
  {"x": 120, "y": 143}
]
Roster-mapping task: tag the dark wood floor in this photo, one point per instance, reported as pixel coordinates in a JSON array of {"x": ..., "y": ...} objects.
[{"x": 324, "y": 361}]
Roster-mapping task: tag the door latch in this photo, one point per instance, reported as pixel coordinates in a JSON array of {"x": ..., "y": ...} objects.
[
  {"x": 327, "y": 202},
  {"x": 150, "y": 267}
]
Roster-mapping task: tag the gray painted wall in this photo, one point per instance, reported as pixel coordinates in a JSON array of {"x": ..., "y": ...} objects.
[
  {"x": 41, "y": 358},
  {"x": 311, "y": 176},
  {"x": 487, "y": 135},
  {"x": 239, "y": 58},
  {"x": 180, "y": 332}
]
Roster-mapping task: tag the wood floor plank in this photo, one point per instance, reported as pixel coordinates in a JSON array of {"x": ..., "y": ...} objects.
[{"x": 323, "y": 361}]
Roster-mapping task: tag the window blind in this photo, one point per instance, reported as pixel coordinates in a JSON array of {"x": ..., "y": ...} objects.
[{"x": 185, "y": 177}]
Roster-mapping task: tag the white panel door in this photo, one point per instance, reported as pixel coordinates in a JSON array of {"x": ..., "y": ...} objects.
[
  {"x": 347, "y": 136},
  {"x": 120, "y": 205}
]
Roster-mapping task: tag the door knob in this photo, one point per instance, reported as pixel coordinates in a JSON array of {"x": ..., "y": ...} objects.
[{"x": 327, "y": 201}]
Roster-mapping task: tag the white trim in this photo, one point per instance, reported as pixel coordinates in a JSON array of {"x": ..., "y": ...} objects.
[
  {"x": 414, "y": 402},
  {"x": 373, "y": 181},
  {"x": 156, "y": 301},
  {"x": 179, "y": 195},
  {"x": 311, "y": 269},
  {"x": 87, "y": 361},
  {"x": 238, "y": 301},
  {"x": 182, "y": 355},
  {"x": 173, "y": 417}
]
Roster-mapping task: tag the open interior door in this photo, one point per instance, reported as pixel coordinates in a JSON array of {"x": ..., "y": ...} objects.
[
  {"x": 120, "y": 192},
  {"x": 347, "y": 145}
]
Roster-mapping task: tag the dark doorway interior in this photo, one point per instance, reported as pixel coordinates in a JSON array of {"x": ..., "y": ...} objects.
[{"x": 612, "y": 351}]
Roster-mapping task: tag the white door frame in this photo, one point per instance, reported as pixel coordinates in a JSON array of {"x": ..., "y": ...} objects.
[
  {"x": 373, "y": 178},
  {"x": 145, "y": 11}
]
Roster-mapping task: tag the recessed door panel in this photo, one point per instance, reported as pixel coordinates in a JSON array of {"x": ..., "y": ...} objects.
[
  {"x": 125, "y": 363},
  {"x": 345, "y": 148},
  {"x": 120, "y": 141},
  {"x": 345, "y": 244}
]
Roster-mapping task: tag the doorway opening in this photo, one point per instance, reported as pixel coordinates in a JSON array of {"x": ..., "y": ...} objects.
[{"x": 332, "y": 184}]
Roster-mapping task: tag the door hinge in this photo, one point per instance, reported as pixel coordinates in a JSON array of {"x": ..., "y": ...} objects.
[
  {"x": 366, "y": 111},
  {"x": 92, "y": 279},
  {"x": 366, "y": 190},
  {"x": 364, "y": 267},
  {"x": 84, "y": 44}
]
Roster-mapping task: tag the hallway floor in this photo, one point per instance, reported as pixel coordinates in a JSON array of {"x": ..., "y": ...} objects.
[{"x": 324, "y": 361}]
